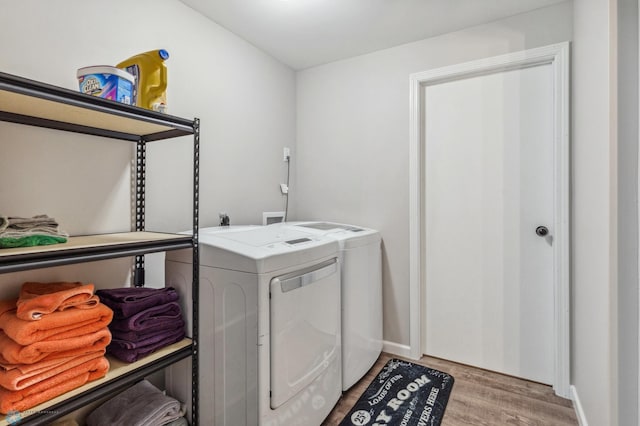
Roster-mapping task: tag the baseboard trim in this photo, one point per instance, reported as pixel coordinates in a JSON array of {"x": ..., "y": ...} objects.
[
  {"x": 397, "y": 349},
  {"x": 582, "y": 419}
]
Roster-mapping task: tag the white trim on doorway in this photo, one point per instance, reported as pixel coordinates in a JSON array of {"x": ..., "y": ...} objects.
[{"x": 558, "y": 56}]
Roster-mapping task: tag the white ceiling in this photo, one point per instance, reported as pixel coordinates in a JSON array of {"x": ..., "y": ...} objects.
[{"x": 305, "y": 33}]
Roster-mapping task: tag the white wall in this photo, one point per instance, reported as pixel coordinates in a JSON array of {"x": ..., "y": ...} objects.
[
  {"x": 353, "y": 136},
  {"x": 628, "y": 211},
  {"x": 244, "y": 98},
  {"x": 595, "y": 198}
]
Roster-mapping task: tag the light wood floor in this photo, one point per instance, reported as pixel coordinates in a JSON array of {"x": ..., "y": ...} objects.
[{"x": 479, "y": 398}]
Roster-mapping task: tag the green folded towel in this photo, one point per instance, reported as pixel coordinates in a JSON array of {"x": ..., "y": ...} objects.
[
  {"x": 31, "y": 240},
  {"x": 39, "y": 230}
]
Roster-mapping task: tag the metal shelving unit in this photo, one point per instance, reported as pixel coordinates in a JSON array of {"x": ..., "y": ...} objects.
[{"x": 33, "y": 103}]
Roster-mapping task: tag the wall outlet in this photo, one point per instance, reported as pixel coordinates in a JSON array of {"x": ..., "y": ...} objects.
[{"x": 286, "y": 154}]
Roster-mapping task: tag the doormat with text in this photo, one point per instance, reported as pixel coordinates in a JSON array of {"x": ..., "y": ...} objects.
[{"x": 402, "y": 394}]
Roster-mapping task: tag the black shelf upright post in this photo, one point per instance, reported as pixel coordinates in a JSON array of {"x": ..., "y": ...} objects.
[
  {"x": 195, "y": 394},
  {"x": 141, "y": 164}
]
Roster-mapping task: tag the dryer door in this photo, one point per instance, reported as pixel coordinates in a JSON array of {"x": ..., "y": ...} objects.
[{"x": 305, "y": 328}]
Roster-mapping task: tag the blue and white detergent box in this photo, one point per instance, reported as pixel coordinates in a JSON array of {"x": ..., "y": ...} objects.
[{"x": 107, "y": 82}]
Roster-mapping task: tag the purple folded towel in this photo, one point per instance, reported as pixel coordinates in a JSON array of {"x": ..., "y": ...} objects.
[
  {"x": 149, "y": 340},
  {"x": 128, "y": 301},
  {"x": 132, "y": 355},
  {"x": 136, "y": 336},
  {"x": 166, "y": 315}
]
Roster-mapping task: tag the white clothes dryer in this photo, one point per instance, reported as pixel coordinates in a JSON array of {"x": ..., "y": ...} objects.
[
  {"x": 269, "y": 326},
  {"x": 361, "y": 277}
]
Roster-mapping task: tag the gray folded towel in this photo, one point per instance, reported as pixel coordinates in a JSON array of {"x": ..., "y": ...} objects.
[
  {"x": 141, "y": 405},
  {"x": 180, "y": 422},
  {"x": 20, "y": 227},
  {"x": 30, "y": 222}
]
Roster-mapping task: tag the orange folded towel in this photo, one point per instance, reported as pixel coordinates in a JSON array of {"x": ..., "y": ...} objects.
[
  {"x": 57, "y": 325},
  {"x": 40, "y": 365},
  {"x": 38, "y": 299},
  {"x": 25, "y": 375},
  {"x": 54, "y": 386},
  {"x": 13, "y": 353}
]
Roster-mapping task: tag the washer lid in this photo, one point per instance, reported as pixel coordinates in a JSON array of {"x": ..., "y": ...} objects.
[
  {"x": 350, "y": 236},
  {"x": 230, "y": 228},
  {"x": 326, "y": 226},
  {"x": 263, "y": 249}
]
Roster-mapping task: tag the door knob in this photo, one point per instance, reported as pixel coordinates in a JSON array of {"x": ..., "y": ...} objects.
[{"x": 541, "y": 231}]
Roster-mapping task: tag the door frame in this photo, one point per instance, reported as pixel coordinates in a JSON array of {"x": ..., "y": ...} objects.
[{"x": 557, "y": 56}]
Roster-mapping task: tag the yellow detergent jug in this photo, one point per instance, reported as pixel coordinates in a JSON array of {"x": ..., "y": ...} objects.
[{"x": 150, "y": 90}]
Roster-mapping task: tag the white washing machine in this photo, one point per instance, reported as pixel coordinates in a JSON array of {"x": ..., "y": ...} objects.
[
  {"x": 361, "y": 276},
  {"x": 269, "y": 329}
]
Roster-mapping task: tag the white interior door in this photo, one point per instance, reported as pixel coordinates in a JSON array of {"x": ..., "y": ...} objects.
[{"x": 489, "y": 173}]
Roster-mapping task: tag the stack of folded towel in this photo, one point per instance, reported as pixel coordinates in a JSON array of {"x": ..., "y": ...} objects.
[
  {"x": 141, "y": 405},
  {"x": 144, "y": 320},
  {"x": 26, "y": 232},
  {"x": 52, "y": 340}
]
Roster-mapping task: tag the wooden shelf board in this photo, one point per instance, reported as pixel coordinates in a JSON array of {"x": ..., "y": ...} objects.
[
  {"x": 91, "y": 248},
  {"x": 117, "y": 369},
  {"x": 35, "y": 103},
  {"x": 36, "y": 107},
  {"x": 94, "y": 241}
]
